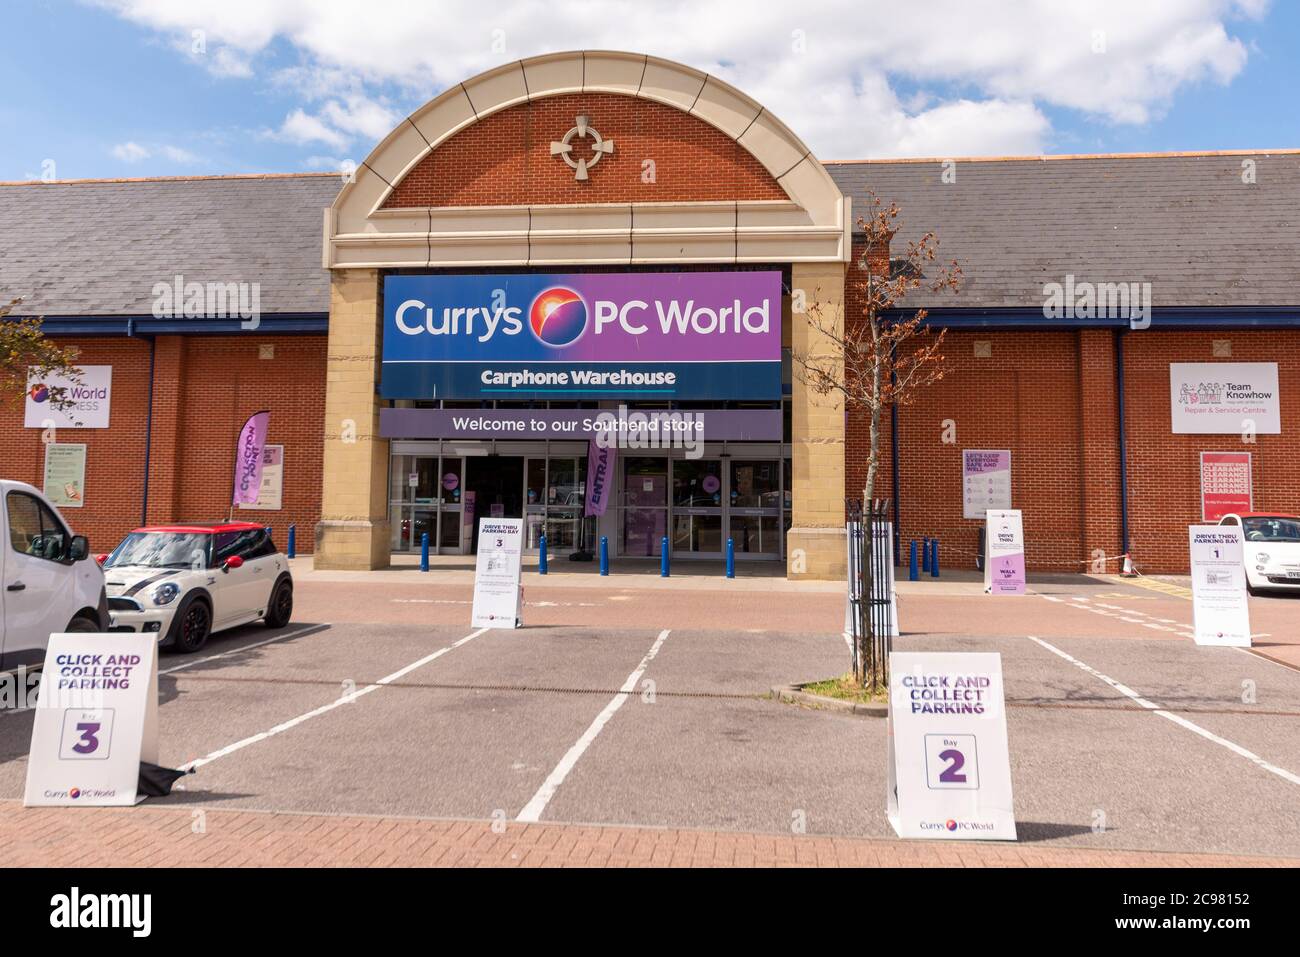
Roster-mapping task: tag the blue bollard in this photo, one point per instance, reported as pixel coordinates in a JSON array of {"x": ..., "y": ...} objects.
[
  {"x": 604, "y": 555},
  {"x": 663, "y": 557},
  {"x": 424, "y": 552},
  {"x": 934, "y": 559},
  {"x": 925, "y": 554},
  {"x": 912, "y": 573},
  {"x": 293, "y": 541},
  {"x": 731, "y": 558},
  {"x": 541, "y": 555}
]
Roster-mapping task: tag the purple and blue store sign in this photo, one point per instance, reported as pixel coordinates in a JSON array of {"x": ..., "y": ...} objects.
[{"x": 650, "y": 336}]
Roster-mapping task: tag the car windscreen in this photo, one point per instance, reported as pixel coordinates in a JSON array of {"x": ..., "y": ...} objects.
[
  {"x": 1271, "y": 529},
  {"x": 162, "y": 550}
]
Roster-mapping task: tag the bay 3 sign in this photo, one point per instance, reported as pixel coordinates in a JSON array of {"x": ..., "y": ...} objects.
[{"x": 687, "y": 335}]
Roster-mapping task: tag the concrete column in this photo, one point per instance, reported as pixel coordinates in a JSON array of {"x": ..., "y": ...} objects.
[
  {"x": 354, "y": 529},
  {"x": 815, "y": 544}
]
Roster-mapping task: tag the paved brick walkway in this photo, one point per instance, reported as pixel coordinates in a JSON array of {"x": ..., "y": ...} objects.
[{"x": 171, "y": 837}]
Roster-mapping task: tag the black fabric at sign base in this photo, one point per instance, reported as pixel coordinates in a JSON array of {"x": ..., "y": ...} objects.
[{"x": 157, "y": 782}]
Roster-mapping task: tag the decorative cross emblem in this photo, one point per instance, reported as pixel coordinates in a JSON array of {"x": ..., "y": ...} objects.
[{"x": 581, "y": 130}]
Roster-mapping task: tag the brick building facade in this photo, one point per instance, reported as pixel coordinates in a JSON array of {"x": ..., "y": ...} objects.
[{"x": 699, "y": 177}]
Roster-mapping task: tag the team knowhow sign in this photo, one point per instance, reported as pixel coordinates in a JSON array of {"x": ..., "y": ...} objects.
[
  {"x": 96, "y": 719},
  {"x": 498, "y": 596},
  {"x": 55, "y": 401},
  {"x": 1224, "y": 398},
  {"x": 1220, "y": 613},
  {"x": 949, "y": 766},
  {"x": 684, "y": 335}
]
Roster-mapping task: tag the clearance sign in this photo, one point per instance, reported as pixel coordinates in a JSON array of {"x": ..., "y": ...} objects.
[{"x": 686, "y": 335}]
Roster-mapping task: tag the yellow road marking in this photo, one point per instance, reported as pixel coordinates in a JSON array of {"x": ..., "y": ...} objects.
[{"x": 1167, "y": 588}]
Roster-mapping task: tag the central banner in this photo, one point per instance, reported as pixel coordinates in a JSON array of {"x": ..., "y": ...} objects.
[{"x": 678, "y": 335}]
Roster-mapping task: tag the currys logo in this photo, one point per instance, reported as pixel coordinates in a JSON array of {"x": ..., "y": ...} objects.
[
  {"x": 951, "y": 825},
  {"x": 40, "y": 392},
  {"x": 74, "y": 793},
  {"x": 558, "y": 316}
]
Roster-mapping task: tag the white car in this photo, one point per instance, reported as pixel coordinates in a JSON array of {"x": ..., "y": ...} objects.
[
  {"x": 1271, "y": 549},
  {"x": 50, "y": 585},
  {"x": 184, "y": 582}
]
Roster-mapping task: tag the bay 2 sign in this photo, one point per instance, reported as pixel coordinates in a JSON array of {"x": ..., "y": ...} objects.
[{"x": 682, "y": 335}]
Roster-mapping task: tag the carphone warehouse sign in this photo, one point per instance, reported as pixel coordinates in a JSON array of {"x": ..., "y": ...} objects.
[{"x": 687, "y": 335}]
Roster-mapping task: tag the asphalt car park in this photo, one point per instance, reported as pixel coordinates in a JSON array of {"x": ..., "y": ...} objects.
[{"x": 1121, "y": 736}]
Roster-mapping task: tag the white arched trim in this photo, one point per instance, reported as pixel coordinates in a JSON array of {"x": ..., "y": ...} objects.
[{"x": 811, "y": 225}]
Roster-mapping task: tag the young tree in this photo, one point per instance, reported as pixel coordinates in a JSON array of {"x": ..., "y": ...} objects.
[
  {"x": 881, "y": 357},
  {"x": 26, "y": 353}
]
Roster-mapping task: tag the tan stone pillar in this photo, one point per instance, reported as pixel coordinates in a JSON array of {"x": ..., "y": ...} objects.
[
  {"x": 354, "y": 528},
  {"x": 815, "y": 544}
]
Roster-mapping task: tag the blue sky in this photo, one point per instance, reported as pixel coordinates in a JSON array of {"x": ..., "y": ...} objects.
[{"x": 128, "y": 88}]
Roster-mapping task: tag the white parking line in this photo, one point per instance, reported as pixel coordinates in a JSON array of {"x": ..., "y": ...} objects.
[
  {"x": 1251, "y": 756},
  {"x": 533, "y": 809},
  {"x": 324, "y": 709}
]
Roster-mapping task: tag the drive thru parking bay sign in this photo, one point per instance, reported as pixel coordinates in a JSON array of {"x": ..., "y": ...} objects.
[
  {"x": 96, "y": 720},
  {"x": 949, "y": 770},
  {"x": 498, "y": 597}
]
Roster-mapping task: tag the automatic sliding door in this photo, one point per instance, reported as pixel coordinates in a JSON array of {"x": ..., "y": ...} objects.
[
  {"x": 755, "y": 509},
  {"x": 697, "y": 507}
]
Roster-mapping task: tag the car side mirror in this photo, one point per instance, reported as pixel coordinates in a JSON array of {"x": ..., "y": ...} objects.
[
  {"x": 234, "y": 561},
  {"x": 100, "y": 559},
  {"x": 79, "y": 548}
]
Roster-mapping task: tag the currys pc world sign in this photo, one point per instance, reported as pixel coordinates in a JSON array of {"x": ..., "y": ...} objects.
[{"x": 683, "y": 335}]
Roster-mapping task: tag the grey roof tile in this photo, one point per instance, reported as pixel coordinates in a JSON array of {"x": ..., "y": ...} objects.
[
  {"x": 96, "y": 248},
  {"x": 1186, "y": 223}
]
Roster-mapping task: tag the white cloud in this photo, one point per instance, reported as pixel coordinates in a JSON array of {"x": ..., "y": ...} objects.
[
  {"x": 302, "y": 128},
  {"x": 178, "y": 155},
  {"x": 976, "y": 77},
  {"x": 130, "y": 152}
]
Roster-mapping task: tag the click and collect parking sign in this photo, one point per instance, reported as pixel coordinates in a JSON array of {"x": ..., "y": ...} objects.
[
  {"x": 949, "y": 767},
  {"x": 672, "y": 335},
  {"x": 96, "y": 719}
]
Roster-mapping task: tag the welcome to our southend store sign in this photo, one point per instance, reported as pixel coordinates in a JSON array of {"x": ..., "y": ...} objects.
[{"x": 687, "y": 335}]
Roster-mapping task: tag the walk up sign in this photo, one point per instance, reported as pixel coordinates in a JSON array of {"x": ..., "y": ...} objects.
[
  {"x": 96, "y": 720},
  {"x": 1004, "y": 553},
  {"x": 498, "y": 597},
  {"x": 949, "y": 769},
  {"x": 1220, "y": 615}
]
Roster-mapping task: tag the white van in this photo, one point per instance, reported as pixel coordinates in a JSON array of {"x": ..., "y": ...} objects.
[{"x": 50, "y": 582}]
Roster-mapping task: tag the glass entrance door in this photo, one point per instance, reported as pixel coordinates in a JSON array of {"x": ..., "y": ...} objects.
[
  {"x": 698, "y": 511},
  {"x": 554, "y": 495},
  {"x": 425, "y": 498},
  {"x": 754, "y": 512},
  {"x": 643, "y": 510}
]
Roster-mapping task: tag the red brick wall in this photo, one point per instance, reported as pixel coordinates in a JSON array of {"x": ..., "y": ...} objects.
[
  {"x": 114, "y": 456},
  {"x": 204, "y": 389},
  {"x": 1164, "y": 469},
  {"x": 505, "y": 159},
  {"x": 1051, "y": 398}
]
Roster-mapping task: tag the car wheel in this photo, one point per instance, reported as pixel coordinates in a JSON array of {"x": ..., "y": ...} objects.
[
  {"x": 281, "y": 608},
  {"x": 82, "y": 626},
  {"x": 193, "y": 625}
]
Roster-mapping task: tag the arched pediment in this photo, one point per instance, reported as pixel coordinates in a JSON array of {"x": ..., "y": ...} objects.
[{"x": 736, "y": 186}]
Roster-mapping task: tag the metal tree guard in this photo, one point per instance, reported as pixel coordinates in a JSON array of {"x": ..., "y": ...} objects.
[{"x": 869, "y": 620}]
